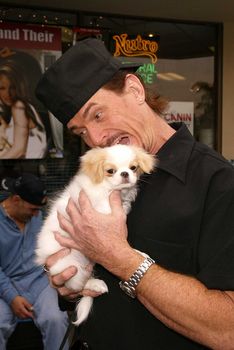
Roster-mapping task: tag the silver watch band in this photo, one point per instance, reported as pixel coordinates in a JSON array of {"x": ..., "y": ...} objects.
[{"x": 129, "y": 287}]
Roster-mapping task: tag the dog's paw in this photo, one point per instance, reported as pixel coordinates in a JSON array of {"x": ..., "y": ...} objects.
[{"x": 96, "y": 285}]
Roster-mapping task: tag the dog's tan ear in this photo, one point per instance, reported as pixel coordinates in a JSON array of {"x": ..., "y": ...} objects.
[
  {"x": 92, "y": 164},
  {"x": 146, "y": 161}
]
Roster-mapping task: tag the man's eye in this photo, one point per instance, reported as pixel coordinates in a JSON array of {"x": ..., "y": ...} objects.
[
  {"x": 111, "y": 171},
  {"x": 98, "y": 115},
  {"x": 83, "y": 133}
]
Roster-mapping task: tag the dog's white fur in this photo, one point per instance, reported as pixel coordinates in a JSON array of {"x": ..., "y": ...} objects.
[{"x": 102, "y": 170}]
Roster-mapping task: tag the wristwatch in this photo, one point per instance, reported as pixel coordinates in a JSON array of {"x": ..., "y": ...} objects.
[{"x": 129, "y": 287}]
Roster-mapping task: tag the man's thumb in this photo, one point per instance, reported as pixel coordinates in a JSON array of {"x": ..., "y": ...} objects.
[{"x": 115, "y": 201}]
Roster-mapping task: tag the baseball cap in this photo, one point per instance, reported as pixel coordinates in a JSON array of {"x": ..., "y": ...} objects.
[
  {"x": 70, "y": 82},
  {"x": 28, "y": 186}
]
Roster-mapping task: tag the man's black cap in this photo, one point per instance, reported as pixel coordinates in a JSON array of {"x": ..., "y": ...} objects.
[
  {"x": 70, "y": 82},
  {"x": 28, "y": 186}
]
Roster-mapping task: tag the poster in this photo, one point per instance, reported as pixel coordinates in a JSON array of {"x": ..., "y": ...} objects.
[
  {"x": 181, "y": 112},
  {"x": 27, "y": 129}
]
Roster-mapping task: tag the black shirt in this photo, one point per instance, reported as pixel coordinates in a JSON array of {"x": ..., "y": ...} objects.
[{"x": 183, "y": 218}]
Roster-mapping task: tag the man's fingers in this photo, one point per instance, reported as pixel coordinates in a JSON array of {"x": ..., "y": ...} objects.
[
  {"x": 84, "y": 202},
  {"x": 74, "y": 297},
  {"x": 69, "y": 294},
  {"x": 115, "y": 202},
  {"x": 65, "y": 241},
  {"x": 90, "y": 293},
  {"x": 65, "y": 224},
  {"x": 59, "y": 279},
  {"x": 27, "y": 314},
  {"x": 52, "y": 259},
  {"x": 27, "y": 305},
  {"x": 74, "y": 214}
]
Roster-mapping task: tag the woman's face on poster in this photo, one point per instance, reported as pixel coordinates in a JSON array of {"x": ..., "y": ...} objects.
[{"x": 5, "y": 88}]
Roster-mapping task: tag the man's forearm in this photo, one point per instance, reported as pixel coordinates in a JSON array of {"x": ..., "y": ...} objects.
[
  {"x": 181, "y": 302},
  {"x": 188, "y": 307}
]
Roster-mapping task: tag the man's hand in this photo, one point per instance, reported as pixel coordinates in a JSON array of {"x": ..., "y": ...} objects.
[
  {"x": 58, "y": 281},
  {"x": 21, "y": 307},
  {"x": 100, "y": 237}
]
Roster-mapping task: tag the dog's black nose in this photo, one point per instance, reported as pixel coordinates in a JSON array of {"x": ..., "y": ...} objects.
[{"x": 124, "y": 174}]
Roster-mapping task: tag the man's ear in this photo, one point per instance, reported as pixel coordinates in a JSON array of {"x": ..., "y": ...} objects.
[{"x": 134, "y": 86}]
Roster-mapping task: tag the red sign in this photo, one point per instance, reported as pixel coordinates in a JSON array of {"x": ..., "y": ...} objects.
[
  {"x": 25, "y": 36},
  {"x": 86, "y": 31}
]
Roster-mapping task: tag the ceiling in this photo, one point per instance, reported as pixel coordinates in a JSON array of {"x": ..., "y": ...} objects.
[
  {"x": 177, "y": 39},
  {"x": 198, "y": 10}
]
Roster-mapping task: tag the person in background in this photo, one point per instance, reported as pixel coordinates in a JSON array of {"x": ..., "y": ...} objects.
[
  {"x": 4, "y": 144},
  {"x": 181, "y": 296},
  {"x": 25, "y": 131},
  {"x": 24, "y": 287}
]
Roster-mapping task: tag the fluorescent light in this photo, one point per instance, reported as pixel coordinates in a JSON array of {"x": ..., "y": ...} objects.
[
  {"x": 176, "y": 76},
  {"x": 163, "y": 76},
  {"x": 170, "y": 76}
]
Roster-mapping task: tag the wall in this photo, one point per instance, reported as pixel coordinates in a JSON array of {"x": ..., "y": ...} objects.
[
  {"x": 228, "y": 91},
  {"x": 209, "y": 10}
]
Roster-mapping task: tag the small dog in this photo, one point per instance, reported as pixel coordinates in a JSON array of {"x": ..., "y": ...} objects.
[{"x": 102, "y": 170}]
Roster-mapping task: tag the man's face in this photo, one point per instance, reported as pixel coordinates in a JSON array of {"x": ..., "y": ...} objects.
[
  {"x": 109, "y": 118},
  {"x": 27, "y": 210},
  {"x": 5, "y": 90}
]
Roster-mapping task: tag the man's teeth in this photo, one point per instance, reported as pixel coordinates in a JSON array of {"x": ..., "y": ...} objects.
[
  {"x": 122, "y": 140},
  {"x": 117, "y": 141}
]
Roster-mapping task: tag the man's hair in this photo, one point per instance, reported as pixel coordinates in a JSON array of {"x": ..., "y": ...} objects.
[{"x": 158, "y": 103}]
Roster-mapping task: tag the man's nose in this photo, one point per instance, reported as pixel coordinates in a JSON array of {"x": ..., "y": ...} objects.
[{"x": 97, "y": 137}]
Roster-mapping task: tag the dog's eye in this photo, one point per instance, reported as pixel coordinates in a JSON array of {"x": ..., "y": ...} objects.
[
  {"x": 111, "y": 171},
  {"x": 133, "y": 168}
]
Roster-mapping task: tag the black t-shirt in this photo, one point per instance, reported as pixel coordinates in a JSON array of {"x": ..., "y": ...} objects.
[{"x": 183, "y": 218}]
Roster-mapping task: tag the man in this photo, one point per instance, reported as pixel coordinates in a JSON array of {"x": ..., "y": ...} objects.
[
  {"x": 182, "y": 217},
  {"x": 24, "y": 287}
]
